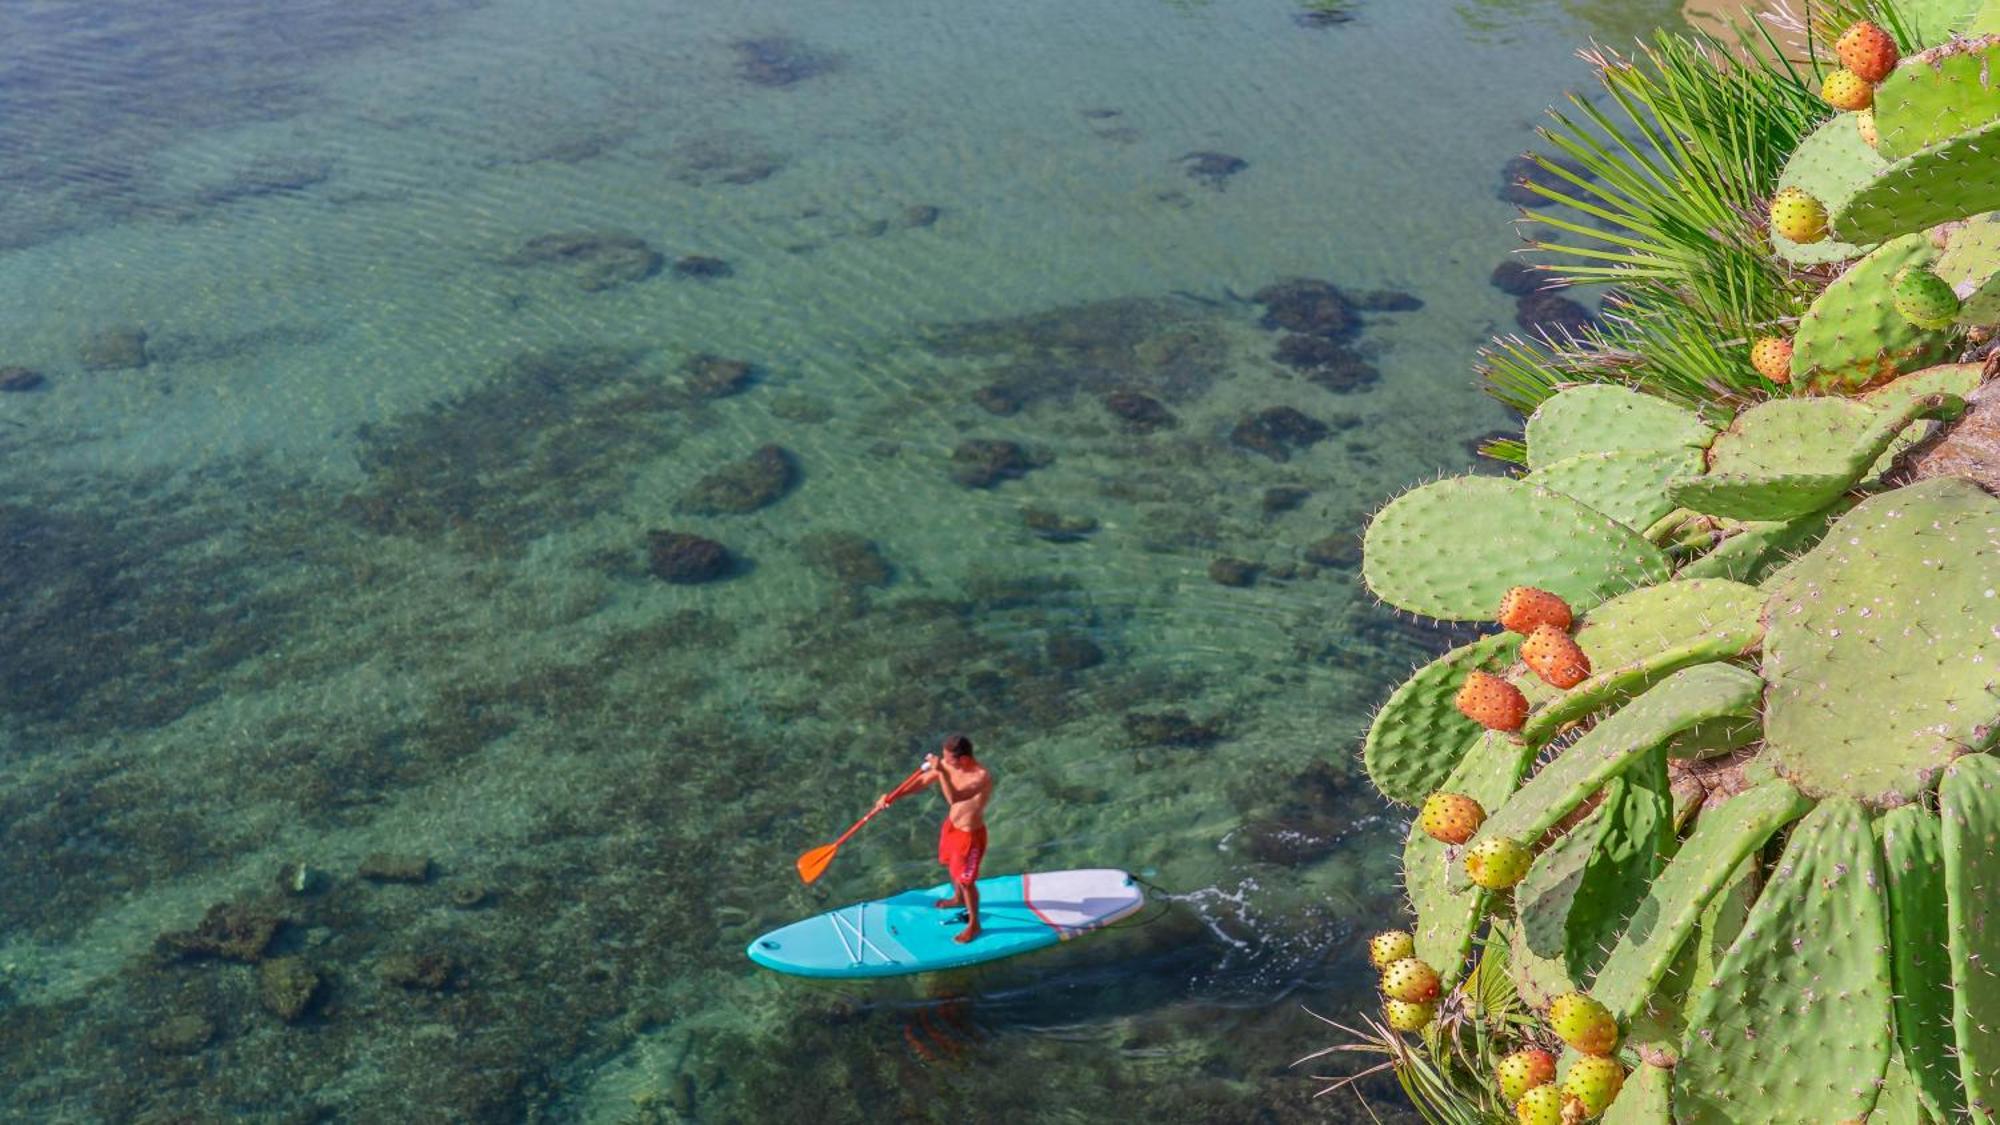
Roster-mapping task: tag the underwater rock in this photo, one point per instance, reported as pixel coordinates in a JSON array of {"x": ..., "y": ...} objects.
[
  {"x": 848, "y": 558},
  {"x": 1277, "y": 432},
  {"x": 1327, "y": 363},
  {"x": 1291, "y": 838},
  {"x": 1228, "y": 571},
  {"x": 701, "y": 267},
  {"x": 758, "y": 481},
  {"x": 1213, "y": 168},
  {"x": 391, "y": 867},
  {"x": 713, "y": 376},
  {"x": 997, "y": 400},
  {"x": 1550, "y": 315},
  {"x": 16, "y": 379},
  {"x": 918, "y": 216},
  {"x": 984, "y": 462},
  {"x": 181, "y": 1035},
  {"x": 1385, "y": 300},
  {"x": 114, "y": 349},
  {"x": 1323, "y": 14},
  {"x": 722, "y": 158},
  {"x": 1308, "y": 306},
  {"x": 274, "y": 176},
  {"x": 471, "y": 896},
  {"x": 685, "y": 559},
  {"x": 1285, "y": 498},
  {"x": 1522, "y": 170},
  {"x": 1071, "y": 651},
  {"x": 427, "y": 971},
  {"x": 1141, "y": 413},
  {"x": 778, "y": 61},
  {"x": 287, "y": 987},
  {"x": 599, "y": 259},
  {"x": 1170, "y": 728},
  {"x": 228, "y": 931},
  {"x": 1163, "y": 348},
  {"x": 1517, "y": 278},
  {"x": 1341, "y": 552},
  {"x": 1057, "y": 527}
]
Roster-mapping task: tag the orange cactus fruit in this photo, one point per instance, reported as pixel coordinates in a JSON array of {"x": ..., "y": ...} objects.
[
  {"x": 1450, "y": 818},
  {"x": 1524, "y": 607},
  {"x": 1492, "y": 702},
  {"x": 1772, "y": 357},
  {"x": 1867, "y": 50},
  {"x": 1551, "y": 654}
]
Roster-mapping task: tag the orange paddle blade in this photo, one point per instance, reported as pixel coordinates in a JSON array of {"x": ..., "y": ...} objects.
[{"x": 813, "y": 864}]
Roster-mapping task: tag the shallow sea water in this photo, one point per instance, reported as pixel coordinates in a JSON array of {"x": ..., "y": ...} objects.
[{"x": 355, "y": 562}]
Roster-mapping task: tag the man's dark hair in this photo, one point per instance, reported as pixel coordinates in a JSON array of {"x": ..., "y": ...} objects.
[{"x": 957, "y": 744}]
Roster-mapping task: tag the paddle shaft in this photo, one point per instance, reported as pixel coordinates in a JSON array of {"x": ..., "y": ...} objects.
[{"x": 901, "y": 790}]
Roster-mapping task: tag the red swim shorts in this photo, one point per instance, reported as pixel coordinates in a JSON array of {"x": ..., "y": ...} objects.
[{"x": 960, "y": 851}]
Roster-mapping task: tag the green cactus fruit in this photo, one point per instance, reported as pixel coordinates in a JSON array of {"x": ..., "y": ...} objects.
[
  {"x": 1410, "y": 980},
  {"x": 1844, "y": 89},
  {"x": 1634, "y": 640},
  {"x": 1595, "y": 1081},
  {"x": 1723, "y": 837},
  {"x": 1925, "y": 299},
  {"x": 1852, "y": 336},
  {"x": 1970, "y": 264},
  {"x": 1684, "y": 699},
  {"x": 1416, "y": 738},
  {"x": 1797, "y": 217},
  {"x": 1969, "y": 805},
  {"x": 1451, "y": 818},
  {"x": 1789, "y": 457},
  {"x": 1431, "y": 550},
  {"x": 1938, "y": 94},
  {"x": 1830, "y": 164},
  {"x": 1405, "y": 1016},
  {"x": 1646, "y": 1098},
  {"x": 1448, "y": 915},
  {"x": 1912, "y": 839},
  {"x": 1813, "y": 1031},
  {"x": 1882, "y": 643},
  {"x": 1523, "y": 1071},
  {"x": 1629, "y": 485},
  {"x": 1497, "y": 863},
  {"x": 1606, "y": 418},
  {"x": 1390, "y": 946},
  {"x": 1952, "y": 179},
  {"x": 1583, "y": 1023},
  {"x": 1541, "y": 1105}
]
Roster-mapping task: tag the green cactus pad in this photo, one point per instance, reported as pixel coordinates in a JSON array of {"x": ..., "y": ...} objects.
[
  {"x": 1723, "y": 837},
  {"x": 1634, "y": 640},
  {"x": 1882, "y": 645},
  {"x": 1955, "y": 379},
  {"x": 1782, "y": 1035},
  {"x": 1761, "y": 547},
  {"x": 1603, "y": 418},
  {"x": 1581, "y": 889},
  {"x": 1447, "y": 916},
  {"x": 1433, "y": 550},
  {"x": 1969, "y": 805},
  {"x": 1714, "y": 738},
  {"x": 1538, "y": 946},
  {"x": 1953, "y": 179},
  {"x": 1417, "y": 737},
  {"x": 1646, "y": 1098},
  {"x": 1829, "y": 165},
  {"x": 1793, "y": 456},
  {"x": 1933, "y": 21},
  {"x": 1853, "y": 336},
  {"x": 1935, "y": 95},
  {"x": 1680, "y": 701},
  {"x": 1971, "y": 264},
  {"x": 1901, "y": 1098},
  {"x": 1913, "y": 860},
  {"x": 1629, "y": 485}
]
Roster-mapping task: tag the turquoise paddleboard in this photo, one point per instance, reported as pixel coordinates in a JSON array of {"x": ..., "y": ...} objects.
[{"x": 906, "y": 934}]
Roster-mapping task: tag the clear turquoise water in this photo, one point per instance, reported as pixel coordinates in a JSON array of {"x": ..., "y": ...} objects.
[{"x": 356, "y": 562}]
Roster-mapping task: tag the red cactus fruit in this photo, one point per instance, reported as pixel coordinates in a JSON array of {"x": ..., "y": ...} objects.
[
  {"x": 1523, "y": 1071},
  {"x": 1492, "y": 702},
  {"x": 1411, "y": 981},
  {"x": 1867, "y": 50},
  {"x": 1555, "y": 657},
  {"x": 1524, "y": 607}
]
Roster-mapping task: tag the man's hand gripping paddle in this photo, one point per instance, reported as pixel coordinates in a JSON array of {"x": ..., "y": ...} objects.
[{"x": 813, "y": 864}]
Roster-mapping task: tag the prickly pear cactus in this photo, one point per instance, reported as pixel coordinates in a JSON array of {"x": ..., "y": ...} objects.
[
  {"x": 1831, "y": 164},
  {"x": 1853, "y": 336},
  {"x": 1953, "y": 178},
  {"x": 1935, "y": 95}
]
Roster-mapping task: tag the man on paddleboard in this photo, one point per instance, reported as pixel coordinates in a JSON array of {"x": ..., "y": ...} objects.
[{"x": 966, "y": 786}]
